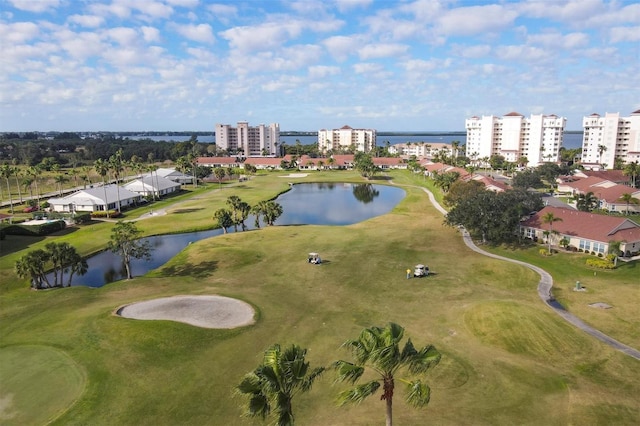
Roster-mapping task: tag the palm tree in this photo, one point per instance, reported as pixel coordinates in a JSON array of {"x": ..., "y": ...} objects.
[
  {"x": 17, "y": 174},
  {"x": 234, "y": 202},
  {"x": 550, "y": 219},
  {"x": 60, "y": 180},
  {"x": 272, "y": 212},
  {"x": 116, "y": 165},
  {"x": 244, "y": 209},
  {"x": 271, "y": 387},
  {"x": 6, "y": 171},
  {"x": 628, "y": 199},
  {"x": 586, "y": 202},
  {"x": 102, "y": 168},
  {"x": 601, "y": 150},
  {"x": 379, "y": 349},
  {"x": 632, "y": 170},
  {"x": 33, "y": 266},
  {"x": 125, "y": 242},
  {"x": 224, "y": 219}
]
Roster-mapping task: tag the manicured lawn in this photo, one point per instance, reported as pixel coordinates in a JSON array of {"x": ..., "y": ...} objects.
[{"x": 508, "y": 359}]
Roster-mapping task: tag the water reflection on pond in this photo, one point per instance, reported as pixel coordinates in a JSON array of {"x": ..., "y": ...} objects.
[{"x": 305, "y": 204}]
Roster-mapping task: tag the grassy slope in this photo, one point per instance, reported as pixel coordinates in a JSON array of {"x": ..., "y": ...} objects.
[{"x": 508, "y": 359}]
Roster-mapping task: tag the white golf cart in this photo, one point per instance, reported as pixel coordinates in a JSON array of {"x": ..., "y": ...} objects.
[
  {"x": 421, "y": 271},
  {"x": 314, "y": 258}
]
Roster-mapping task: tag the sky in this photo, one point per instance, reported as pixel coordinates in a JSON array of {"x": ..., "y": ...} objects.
[{"x": 423, "y": 65}]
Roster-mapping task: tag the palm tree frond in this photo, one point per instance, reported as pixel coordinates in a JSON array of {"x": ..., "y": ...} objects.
[
  {"x": 358, "y": 394},
  {"x": 258, "y": 406},
  {"x": 423, "y": 360},
  {"x": 308, "y": 382},
  {"x": 418, "y": 394},
  {"x": 348, "y": 372}
]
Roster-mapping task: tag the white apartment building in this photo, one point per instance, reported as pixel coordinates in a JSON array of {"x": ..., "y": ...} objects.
[
  {"x": 513, "y": 136},
  {"x": 610, "y": 137},
  {"x": 422, "y": 149},
  {"x": 248, "y": 141},
  {"x": 363, "y": 140}
]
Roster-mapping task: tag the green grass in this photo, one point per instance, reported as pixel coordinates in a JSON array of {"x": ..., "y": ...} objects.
[
  {"x": 507, "y": 358},
  {"x": 37, "y": 384}
]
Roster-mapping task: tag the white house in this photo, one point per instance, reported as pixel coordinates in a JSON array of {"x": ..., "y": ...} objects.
[
  {"x": 99, "y": 198},
  {"x": 171, "y": 174},
  {"x": 148, "y": 186}
]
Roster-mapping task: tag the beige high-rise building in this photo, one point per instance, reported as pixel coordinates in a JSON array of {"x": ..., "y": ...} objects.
[
  {"x": 513, "y": 136},
  {"x": 344, "y": 138},
  {"x": 248, "y": 141},
  {"x": 610, "y": 137}
]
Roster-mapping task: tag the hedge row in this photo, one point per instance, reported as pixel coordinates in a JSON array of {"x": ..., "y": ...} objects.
[{"x": 35, "y": 230}]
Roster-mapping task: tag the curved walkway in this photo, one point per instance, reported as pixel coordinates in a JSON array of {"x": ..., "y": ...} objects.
[{"x": 544, "y": 291}]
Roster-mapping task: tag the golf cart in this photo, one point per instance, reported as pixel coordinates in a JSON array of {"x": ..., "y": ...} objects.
[
  {"x": 314, "y": 258},
  {"x": 421, "y": 271}
]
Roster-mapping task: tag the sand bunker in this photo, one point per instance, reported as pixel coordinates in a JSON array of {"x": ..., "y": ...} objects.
[
  {"x": 295, "y": 175},
  {"x": 201, "y": 311}
]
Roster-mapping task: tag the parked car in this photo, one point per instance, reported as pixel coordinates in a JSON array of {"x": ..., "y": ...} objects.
[{"x": 30, "y": 209}]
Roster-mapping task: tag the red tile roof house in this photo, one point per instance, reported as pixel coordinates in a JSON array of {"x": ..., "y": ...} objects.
[
  {"x": 219, "y": 162},
  {"x": 585, "y": 231},
  {"x": 265, "y": 162},
  {"x": 608, "y": 193},
  {"x": 387, "y": 163}
]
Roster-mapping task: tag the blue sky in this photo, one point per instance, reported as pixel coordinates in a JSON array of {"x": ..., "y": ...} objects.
[{"x": 175, "y": 65}]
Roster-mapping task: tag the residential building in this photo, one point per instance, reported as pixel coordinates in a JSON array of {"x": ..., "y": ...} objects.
[
  {"x": 346, "y": 138},
  {"x": 151, "y": 186},
  {"x": 248, "y": 141},
  {"x": 99, "y": 198},
  {"x": 171, "y": 174},
  {"x": 609, "y": 138},
  {"x": 591, "y": 233},
  {"x": 422, "y": 149},
  {"x": 513, "y": 136}
]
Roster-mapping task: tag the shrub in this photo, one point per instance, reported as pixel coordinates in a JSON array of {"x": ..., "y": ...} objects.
[
  {"x": 544, "y": 252},
  {"x": 83, "y": 217},
  {"x": 112, "y": 214},
  {"x": 36, "y": 230},
  {"x": 600, "y": 263}
]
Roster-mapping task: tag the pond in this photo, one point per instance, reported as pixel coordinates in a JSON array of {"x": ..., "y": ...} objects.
[{"x": 304, "y": 204}]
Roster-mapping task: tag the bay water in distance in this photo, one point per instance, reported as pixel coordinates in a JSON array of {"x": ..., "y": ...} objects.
[{"x": 571, "y": 140}]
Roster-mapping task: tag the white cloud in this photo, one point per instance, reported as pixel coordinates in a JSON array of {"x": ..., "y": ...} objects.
[
  {"x": 476, "y": 51},
  {"x": 152, "y": 8},
  {"x": 523, "y": 54},
  {"x": 623, "y": 34},
  {"x": 120, "y": 10},
  {"x": 198, "y": 32},
  {"x": 35, "y": 5},
  {"x": 184, "y": 3},
  {"x": 262, "y": 37},
  {"x": 348, "y": 5},
  {"x": 322, "y": 71},
  {"x": 382, "y": 50},
  {"x": 19, "y": 32},
  {"x": 476, "y": 20},
  {"x": 341, "y": 47},
  {"x": 557, "y": 40},
  {"x": 88, "y": 21},
  {"x": 223, "y": 11},
  {"x": 123, "y": 35},
  {"x": 150, "y": 34},
  {"x": 367, "y": 68}
]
